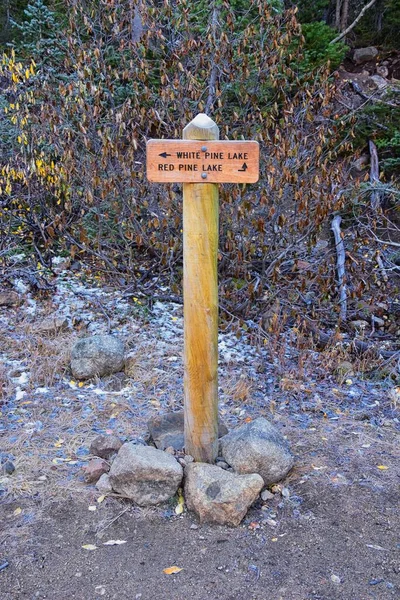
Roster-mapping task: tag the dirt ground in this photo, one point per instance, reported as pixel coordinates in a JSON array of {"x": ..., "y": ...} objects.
[
  {"x": 331, "y": 530},
  {"x": 336, "y": 536}
]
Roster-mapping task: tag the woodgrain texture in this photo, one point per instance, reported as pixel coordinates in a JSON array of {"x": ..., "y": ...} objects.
[
  {"x": 200, "y": 247},
  {"x": 184, "y": 161}
]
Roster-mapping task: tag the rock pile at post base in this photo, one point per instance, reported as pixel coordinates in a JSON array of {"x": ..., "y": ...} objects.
[{"x": 256, "y": 452}]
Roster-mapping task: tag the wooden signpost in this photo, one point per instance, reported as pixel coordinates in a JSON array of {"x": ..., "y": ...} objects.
[{"x": 200, "y": 161}]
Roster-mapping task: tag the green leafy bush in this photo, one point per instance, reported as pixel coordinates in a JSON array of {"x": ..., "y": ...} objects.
[{"x": 317, "y": 47}]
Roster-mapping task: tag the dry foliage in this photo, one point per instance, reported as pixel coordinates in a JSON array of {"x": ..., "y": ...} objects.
[{"x": 74, "y": 176}]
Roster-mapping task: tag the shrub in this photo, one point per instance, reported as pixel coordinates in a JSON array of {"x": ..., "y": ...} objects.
[{"x": 73, "y": 177}]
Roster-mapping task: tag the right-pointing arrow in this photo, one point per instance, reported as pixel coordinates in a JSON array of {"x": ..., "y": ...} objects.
[{"x": 244, "y": 167}]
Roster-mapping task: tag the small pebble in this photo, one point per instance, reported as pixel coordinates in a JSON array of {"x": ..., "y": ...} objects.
[
  {"x": 170, "y": 450},
  {"x": 266, "y": 495},
  {"x": 376, "y": 581},
  {"x": 194, "y": 526},
  {"x": 335, "y": 579}
]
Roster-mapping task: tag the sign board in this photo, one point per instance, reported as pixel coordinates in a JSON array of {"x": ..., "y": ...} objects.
[{"x": 192, "y": 161}]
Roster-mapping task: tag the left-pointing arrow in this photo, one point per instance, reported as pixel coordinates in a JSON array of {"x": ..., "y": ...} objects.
[{"x": 164, "y": 154}]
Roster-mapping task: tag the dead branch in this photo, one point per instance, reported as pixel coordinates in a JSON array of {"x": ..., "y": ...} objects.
[
  {"x": 212, "y": 86},
  {"x": 374, "y": 176},
  {"x": 324, "y": 339},
  {"x": 340, "y": 265},
  {"x": 372, "y": 98},
  {"x": 354, "y": 23},
  {"x": 382, "y": 268}
]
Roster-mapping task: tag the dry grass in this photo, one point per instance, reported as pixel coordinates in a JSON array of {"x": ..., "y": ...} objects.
[
  {"x": 5, "y": 382},
  {"x": 237, "y": 388},
  {"x": 49, "y": 357}
]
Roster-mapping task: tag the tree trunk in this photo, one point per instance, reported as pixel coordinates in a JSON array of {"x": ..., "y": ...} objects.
[
  {"x": 344, "y": 15},
  {"x": 338, "y": 11}
]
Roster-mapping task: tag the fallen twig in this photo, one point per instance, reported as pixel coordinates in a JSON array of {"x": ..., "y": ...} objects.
[
  {"x": 323, "y": 339},
  {"x": 340, "y": 265}
]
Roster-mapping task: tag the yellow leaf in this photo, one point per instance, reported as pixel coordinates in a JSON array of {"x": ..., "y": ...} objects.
[
  {"x": 172, "y": 570},
  {"x": 100, "y": 499},
  {"x": 89, "y": 547},
  {"x": 274, "y": 540},
  {"x": 81, "y": 384},
  {"x": 181, "y": 503},
  {"x": 383, "y": 467},
  {"x": 17, "y": 511}
]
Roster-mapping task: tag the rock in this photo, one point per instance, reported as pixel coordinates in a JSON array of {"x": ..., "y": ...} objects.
[
  {"x": 170, "y": 450},
  {"x": 144, "y": 474},
  {"x": 138, "y": 441},
  {"x": 167, "y": 430},
  {"x": 8, "y": 467},
  {"x": 217, "y": 496},
  {"x": 266, "y": 495},
  {"x": 95, "y": 469},
  {"x": 344, "y": 369},
  {"x": 104, "y": 485},
  {"x": 97, "y": 355},
  {"x": 257, "y": 447},
  {"x": 359, "y": 325},
  {"x": 105, "y": 446},
  {"x": 378, "y": 322},
  {"x": 362, "y": 55},
  {"x": 360, "y": 164},
  {"x": 378, "y": 82},
  {"x": 50, "y": 325},
  {"x": 9, "y": 298},
  {"x": 382, "y": 70}
]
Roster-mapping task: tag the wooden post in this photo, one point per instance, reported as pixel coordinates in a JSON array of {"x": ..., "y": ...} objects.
[
  {"x": 200, "y": 291},
  {"x": 200, "y": 161}
]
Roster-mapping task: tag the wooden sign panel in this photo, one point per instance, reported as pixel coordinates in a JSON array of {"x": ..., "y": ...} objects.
[{"x": 189, "y": 161}]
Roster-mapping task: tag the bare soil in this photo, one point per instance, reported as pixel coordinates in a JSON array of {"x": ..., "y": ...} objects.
[
  {"x": 331, "y": 531},
  {"x": 337, "y": 535}
]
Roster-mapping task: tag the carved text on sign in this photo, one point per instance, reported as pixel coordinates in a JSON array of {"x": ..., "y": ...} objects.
[{"x": 192, "y": 161}]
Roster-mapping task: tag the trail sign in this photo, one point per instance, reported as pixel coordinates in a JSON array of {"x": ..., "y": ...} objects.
[
  {"x": 190, "y": 161},
  {"x": 200, "y": 161}
]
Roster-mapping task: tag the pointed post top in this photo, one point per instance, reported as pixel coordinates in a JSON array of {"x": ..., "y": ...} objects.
[{"x": 201, "y": 128}]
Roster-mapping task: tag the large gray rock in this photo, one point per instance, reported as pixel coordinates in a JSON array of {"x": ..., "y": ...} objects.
[
  {"x": 168, "y": 430},
  {"x": 217, "y": 496},
  {"x": 97, "y": 355},
  {"x": 257, "y": 447},
  {"x": 362, "y": 55},
  {"x": 144, "y": 474}
]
